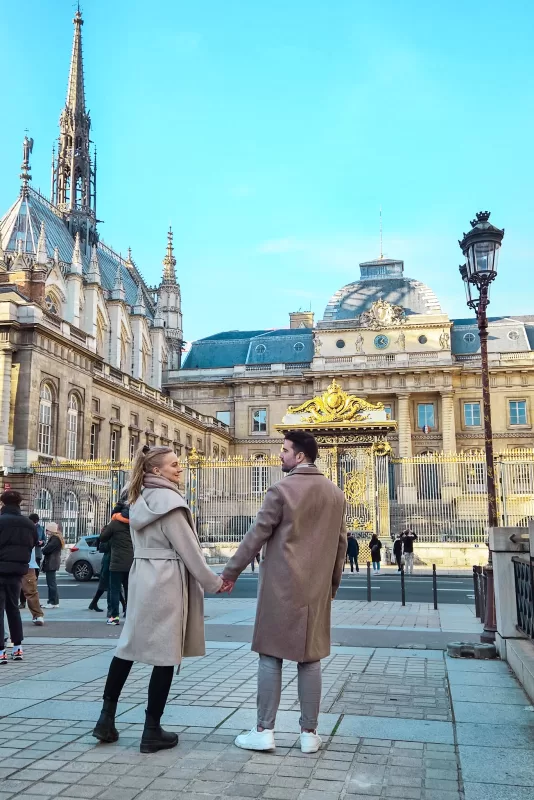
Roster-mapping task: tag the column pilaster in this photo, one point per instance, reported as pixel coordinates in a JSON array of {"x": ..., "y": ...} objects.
[
  {"x": 6, "y": 447},
  {"x": 407, "y": 490}
]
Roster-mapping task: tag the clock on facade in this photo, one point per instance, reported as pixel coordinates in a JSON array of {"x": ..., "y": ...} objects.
[{"x": 381, "y": 341}]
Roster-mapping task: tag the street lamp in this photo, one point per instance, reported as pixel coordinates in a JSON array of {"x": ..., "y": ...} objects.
[{"x": 480, "y": 247}]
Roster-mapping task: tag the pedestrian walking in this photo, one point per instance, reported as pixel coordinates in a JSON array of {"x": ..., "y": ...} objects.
[
  {"x": 375, "y": 546},
  {"x": 117, "y": 533},
  {"x": 103, "y": 580},
  {"x": 254, "y": 560},
  {"x": 302, "y": 526},
  {"x": 353, "y": 549},
  {"x": 165, "y": 620},
  {"x": 397, "y": 550},
  {"x": 408, "y": 538},
  {"x": 52, "y": 562},
  {"x": 31, "y": 592},
  {"x": 36, "y": 556},
  {"x": 18, "y": 537}
]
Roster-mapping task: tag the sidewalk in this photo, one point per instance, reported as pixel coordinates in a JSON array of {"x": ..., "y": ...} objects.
[{"x": 395, "y": 724}]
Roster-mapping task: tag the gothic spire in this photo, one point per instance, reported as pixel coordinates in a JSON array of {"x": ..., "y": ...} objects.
[
  {"x": 76, "y": 264},
  {"x": 76, "y": 90},
  {"x": 169, "y": 262},
  {"x": 118, "y": 292},
  {"x": 93, "y": 275},
  {"x": 73, "y": 175},
  {"x": 140, "y": 306}
]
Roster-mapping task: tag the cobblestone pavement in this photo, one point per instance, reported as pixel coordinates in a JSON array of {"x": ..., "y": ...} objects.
[{"x": 395, "y": 724}]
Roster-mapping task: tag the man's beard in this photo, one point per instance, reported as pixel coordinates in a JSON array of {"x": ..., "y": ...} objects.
[{"x": 286, "y": 469}]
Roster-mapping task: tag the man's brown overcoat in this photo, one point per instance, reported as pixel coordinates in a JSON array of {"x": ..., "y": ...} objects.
[{"x": 301, "y": 528}]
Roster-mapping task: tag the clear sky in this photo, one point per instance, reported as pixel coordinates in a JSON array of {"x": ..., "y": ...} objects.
[{"x": 269, "y": 133}]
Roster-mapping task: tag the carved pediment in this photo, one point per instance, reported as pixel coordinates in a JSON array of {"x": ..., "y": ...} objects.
[{"x": 382, "y": 315}]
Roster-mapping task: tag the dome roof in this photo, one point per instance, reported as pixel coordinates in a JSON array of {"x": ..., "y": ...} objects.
[{"x": 381, "y": 280}]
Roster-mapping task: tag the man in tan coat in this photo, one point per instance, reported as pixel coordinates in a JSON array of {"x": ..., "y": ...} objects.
[{"x": 301, "y": 528}]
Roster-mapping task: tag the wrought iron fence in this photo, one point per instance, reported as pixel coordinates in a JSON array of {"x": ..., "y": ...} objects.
[
  {"x": 524, "y": 593},
  {"x": 442, "y": 497}
]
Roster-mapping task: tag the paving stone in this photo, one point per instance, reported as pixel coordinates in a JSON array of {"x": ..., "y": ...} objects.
[
  {"x": 487, "y": 765},
  {"x": 483, "y": 791}
]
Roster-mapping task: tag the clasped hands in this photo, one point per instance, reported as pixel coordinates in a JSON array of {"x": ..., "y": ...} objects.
[{"x": 227, "y": 587}]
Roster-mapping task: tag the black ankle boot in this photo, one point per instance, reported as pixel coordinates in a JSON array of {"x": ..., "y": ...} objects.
[
  {"x": 105, "y": 729},
  {"x": 93, "y": 606},
  {"x": 154, "y": 738}
]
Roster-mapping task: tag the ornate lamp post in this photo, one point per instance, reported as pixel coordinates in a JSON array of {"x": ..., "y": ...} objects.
[{"x": 480, "y": 247}]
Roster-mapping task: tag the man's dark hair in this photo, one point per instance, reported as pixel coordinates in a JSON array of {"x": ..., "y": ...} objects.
[
  {"x": 303, "y": 443},
  {"x": 11, "y": 498},
  {"x": 34, "y": 518}
]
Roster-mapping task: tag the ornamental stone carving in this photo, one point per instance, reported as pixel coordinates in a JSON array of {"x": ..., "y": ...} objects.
[{"x": 382, "y": 315}]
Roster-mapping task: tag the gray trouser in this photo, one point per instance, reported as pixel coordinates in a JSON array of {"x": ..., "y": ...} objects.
[{"x": 270, "y": 690}]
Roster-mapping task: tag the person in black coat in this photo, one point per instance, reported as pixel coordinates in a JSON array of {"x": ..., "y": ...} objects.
[
  {"x": 117, "y": 533},
  {"x": 408, "y": 538},
  {"x": 18, "y": 537},
  {"x": 353, "y": 549},
  {"x": 52, "y": 562},
  {"x": 375, "y": 546},
  {"x": 397, "y": 550}
]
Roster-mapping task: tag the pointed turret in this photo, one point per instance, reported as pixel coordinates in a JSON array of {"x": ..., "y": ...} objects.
[
  {"x": 93, "y": 276},
  {"x": 118, "y": 292},
  {"x": 76, "y": 91},
  {"x": 139, "y": 308},
  {"x": 76, "y": 266},
  {"x": 169, "y": 262},
  {"x": 41, "y": 255},
  {"x": 56, "y": 256}
]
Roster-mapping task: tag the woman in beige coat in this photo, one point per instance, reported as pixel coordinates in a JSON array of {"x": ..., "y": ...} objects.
[{"x": 165, "y": 619}]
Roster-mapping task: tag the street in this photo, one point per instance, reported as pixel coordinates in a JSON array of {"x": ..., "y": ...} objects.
[{"x": 451, "y": 589}]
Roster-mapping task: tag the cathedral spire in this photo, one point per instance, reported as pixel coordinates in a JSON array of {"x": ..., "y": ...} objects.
[
  {"x": 73, "y": 174},
  {"x": 169, "y": 262},
  {"x": 93, "y": 275}
]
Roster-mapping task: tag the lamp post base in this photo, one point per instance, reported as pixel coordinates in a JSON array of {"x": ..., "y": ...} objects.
[{"x": 490, "y": 618}]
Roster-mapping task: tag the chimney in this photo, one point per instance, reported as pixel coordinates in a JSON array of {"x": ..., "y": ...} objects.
[{"x": 301, "y": 319}]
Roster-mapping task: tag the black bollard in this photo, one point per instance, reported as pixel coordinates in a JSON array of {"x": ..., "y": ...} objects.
[
  {"x": 435, "y": 586},
  {"x": 476, "y": 590},
  {"x": 368, "y": 581},
  {"x": 403, "y": 588}
]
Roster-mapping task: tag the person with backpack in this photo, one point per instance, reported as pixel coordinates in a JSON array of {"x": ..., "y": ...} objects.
[
  {"x": 117, "y": 533},
  {"x": 375, "y": 546}
]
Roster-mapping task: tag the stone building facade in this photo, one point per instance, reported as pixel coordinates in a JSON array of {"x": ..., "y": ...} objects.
[
  {"x": 85, "y": 343},
  {"x": 385, "y": 338}
]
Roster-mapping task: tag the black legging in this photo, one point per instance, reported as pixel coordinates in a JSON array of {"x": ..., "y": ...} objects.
[{"x": 158, "y": 688}]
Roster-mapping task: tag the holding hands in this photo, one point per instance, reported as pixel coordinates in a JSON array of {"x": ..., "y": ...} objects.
[{"x": 227, "y": 587}]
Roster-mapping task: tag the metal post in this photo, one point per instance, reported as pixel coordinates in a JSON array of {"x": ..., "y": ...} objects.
[
  {"x": 403, "y": 588},
  {"x": 368, "y": 581},
  {"x": 477, "y": 590},
  {"x": 490, "y": 625},
  {"x": 435, "y": 587}
]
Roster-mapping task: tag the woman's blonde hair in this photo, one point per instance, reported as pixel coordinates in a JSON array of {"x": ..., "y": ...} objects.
[{"x": 146, "y": 459}]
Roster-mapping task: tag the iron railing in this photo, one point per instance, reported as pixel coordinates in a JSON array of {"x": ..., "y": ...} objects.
[{"x": 524, "y": 593}]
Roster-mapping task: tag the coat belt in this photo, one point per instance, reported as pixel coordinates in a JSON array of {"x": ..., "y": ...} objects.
[{"x": 156, "y": 553}]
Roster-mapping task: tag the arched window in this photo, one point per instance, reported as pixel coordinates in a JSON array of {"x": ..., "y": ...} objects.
[
  {"x": 52, "y": 303},
  {"x": 43, "y": 505},
  {"x": 70, "y": 517},
  {"x": 72, "y": 427},
  {"x": 44, "y": 438}
]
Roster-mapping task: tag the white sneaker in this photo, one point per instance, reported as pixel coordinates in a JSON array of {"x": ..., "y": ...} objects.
[
  {"x": 256, "y": 740},
  {"x": 49, "y": 605},
  {"x": 310, "y": 742},
  {"x": 38, "y": 621}
]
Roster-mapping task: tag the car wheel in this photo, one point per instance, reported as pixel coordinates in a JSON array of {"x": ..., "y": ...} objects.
[{"x": 82, "y": 571}]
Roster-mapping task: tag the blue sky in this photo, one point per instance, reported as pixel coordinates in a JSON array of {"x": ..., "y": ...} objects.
[{"x": 269, "y": 134}]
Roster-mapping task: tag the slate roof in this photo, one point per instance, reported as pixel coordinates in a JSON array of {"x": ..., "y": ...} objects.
[
  {"x": 505, "y": 335},
  {"x": 23, "y": 223},
  {"x": 350, "y": 301},
  {"x": 234, "y": 348}
]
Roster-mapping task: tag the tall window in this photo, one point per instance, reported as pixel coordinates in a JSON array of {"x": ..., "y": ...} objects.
[
  {"x": 134, "y": 444},
  {"x": 114, "y": 445},
  {"x": 93, "y": 444},
  {"x": 72, "y": 427},
  {"x": 259, "y": 420},
  {"x": 44, "y": 444},
  {"x": 260, "y": 477},
  {"x": 223, "y": 416},
  {"x": 425, "y": 415},
  {"x": 43, "y": 505},
  {"x": 472, "y": 415},
  {"x": 70, "y": 517},
  {"x": 518, "y": 412}
]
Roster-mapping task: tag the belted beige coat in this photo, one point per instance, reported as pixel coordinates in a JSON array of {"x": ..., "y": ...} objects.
[
  {"x": 301, "y": 528},
  {"x": 165, "y": 616}
]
